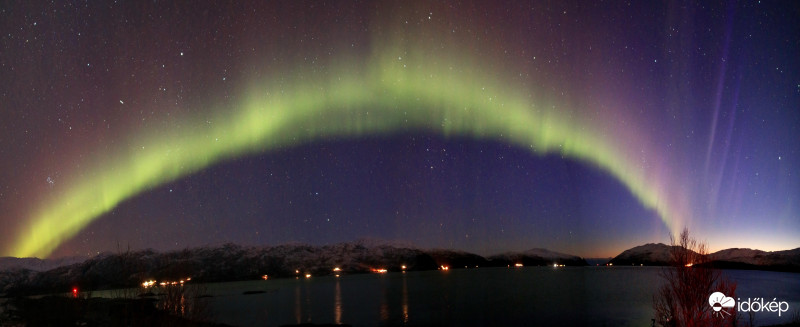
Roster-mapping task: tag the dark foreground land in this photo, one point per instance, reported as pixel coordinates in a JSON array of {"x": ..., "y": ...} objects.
[{"x": 63, "y": 311}]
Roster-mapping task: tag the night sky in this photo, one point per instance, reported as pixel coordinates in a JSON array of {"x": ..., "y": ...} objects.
[{"x": 586, "y": 128}]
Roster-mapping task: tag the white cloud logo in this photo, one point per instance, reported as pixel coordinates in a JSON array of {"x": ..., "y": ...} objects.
[{"x": 719, "y": 301}]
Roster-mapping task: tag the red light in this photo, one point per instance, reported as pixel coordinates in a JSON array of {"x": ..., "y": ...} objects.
[{"x": 75, "y": 292}]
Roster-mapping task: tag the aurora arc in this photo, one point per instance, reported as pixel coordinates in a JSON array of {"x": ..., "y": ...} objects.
[{"x": 388, "y": 95}]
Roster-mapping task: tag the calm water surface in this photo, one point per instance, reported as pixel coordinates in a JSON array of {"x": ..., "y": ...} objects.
[{"x": 597, "y": 296}]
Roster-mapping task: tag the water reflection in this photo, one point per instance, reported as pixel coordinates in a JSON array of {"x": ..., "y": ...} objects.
[
  {"x": 391, "y": 292},
  {"x": 303, "y": 293},
  {"x": 183, "y": 305},
  {"x": 337, "y": 303},
  {"x": 384, "y": 302},
  {"x": 298, "y": 314},
  {"x": 307, "y": 291},
  {"x": 405, "y": 299}
]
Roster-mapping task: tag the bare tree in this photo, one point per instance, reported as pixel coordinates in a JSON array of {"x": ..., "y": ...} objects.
[{"x": 683, "y": 298}]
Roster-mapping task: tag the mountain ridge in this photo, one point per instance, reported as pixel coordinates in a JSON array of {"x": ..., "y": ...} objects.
[
  {"x": 232, "y": 262},
  {"x": 658, "y": 254}
]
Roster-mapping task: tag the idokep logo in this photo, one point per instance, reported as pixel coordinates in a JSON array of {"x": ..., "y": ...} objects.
[
  {"x": 721, "y": 303},
  {"x": 759, "y": 305}
]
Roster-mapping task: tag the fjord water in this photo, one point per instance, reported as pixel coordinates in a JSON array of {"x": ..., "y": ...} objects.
[{"x": 596, "y": 296}]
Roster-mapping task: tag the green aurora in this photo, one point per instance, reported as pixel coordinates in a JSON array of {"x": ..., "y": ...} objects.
[{"x": 390, "y": 94}]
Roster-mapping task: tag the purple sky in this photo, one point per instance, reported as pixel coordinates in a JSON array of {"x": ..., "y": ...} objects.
[{"x": 713, "y": 88}]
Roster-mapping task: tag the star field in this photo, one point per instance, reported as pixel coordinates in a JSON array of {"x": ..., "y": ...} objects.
[{"x": 582, "y": 128}]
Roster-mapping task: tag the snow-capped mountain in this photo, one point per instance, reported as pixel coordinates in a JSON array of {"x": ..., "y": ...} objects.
[
  {"x": 231, "y": 262},
  {"x": 208, "y": 264},
  {"x": 749, "y": 258},
  {"x": 36, "y": 264},
  {"x": 660, "y": 255},
  {"x": 651, "y": 254},
  {"x": 537, "y": 257},
  {"x": 547, "y": 254}
]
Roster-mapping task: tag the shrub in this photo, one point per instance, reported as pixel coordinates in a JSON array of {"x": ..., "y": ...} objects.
[{"x": 683, "y": 298}]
